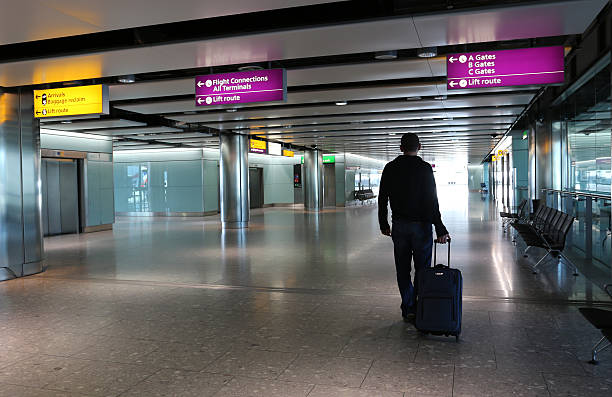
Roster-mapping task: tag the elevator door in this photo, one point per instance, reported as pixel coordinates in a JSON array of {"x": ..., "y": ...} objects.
[
  {"x": 256, "y": 194},
  {"x": 60, "y": 193},
  {"x": 329, "y": 185}
]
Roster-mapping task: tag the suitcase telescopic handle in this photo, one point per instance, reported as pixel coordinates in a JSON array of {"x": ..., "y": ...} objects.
[{"x": 435, "y": 251}]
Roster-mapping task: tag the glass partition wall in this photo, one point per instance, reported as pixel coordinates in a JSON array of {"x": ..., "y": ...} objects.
[{"x": 584, "y": 120}]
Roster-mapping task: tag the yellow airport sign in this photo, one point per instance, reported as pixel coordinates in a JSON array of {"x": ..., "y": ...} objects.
[
  {"x": 494, "y": 158},
  {"x": 258, "y": 146},
  {"x": 288, "y": 153},
  {"x": 71, "y": 101}
]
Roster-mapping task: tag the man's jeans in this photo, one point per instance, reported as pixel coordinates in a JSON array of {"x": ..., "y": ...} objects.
[{"x": 411, "y": 241}]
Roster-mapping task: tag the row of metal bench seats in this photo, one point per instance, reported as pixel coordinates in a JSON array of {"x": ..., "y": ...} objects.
[
  {"x": 547, "y": 229},
  {"x": 602, "y": 320},
  {"x": 509, "y": 217},
  {"x": 364, "y": 195}
]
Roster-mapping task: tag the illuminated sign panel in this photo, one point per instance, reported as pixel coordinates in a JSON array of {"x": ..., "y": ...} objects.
[
  {"x": 258, "y": 146},
  {"x": 288, "y": 153},
  {"x": 241, "y": 87},
  {"x": 274, "y": 148},
  {"x": 329, "y": 159},
  {"x": 71, "y": 101},
  {"x": 525, "y": 66}
]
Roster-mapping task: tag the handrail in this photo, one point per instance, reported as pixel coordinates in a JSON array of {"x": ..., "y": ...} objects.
[{"x": 579, "y": 194}]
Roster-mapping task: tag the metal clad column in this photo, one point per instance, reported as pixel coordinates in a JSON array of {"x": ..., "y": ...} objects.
[
  {"x": 234, "y": 181},
  {"x": 21, "y": 243},
  {"x": 31, "y": 185},
  {"x": 313, "y": 180}
]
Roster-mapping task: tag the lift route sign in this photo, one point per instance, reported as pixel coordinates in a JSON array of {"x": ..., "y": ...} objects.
[
  {"x": 268, "y": 85},
  {"x": 526, "y": 66},
  {"x": 71, "y": 101}
]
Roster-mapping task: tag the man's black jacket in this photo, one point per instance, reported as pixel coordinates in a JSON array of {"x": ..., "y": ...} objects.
[{"x": 409, "y": 184}]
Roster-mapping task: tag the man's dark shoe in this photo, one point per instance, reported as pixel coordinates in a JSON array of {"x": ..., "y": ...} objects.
[
  {"x": 409, "y": 318},
  {"x": 408, "y": 314}
]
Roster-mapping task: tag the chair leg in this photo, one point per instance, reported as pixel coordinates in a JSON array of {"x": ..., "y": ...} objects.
[
  {"x": 525, "y": 252},
  {"x": 538, "y": 264},
  {"x": 598, "y": 349},
  {"x": 575, "y": 274}
]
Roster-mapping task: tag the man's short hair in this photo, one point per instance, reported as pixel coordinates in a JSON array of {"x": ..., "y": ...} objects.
[{"x": 410, "y": 142}]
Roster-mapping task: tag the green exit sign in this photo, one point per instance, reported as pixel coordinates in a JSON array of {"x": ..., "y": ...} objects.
[{"x": 329, "y": 159}]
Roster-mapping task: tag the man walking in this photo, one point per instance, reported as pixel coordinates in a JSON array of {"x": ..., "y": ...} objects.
[{"x": 409, "y": 184}]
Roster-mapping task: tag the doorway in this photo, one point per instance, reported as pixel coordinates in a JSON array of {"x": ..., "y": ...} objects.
[
  {"x": 256, "y": 190},
  {"x": 329, "y": 185},
  {"x": 60, "y": 196}
]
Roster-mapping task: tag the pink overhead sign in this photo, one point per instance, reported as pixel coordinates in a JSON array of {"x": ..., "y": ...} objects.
[
  {"x": 526, "y": 66},
  {"x": 241, "y": 87}
]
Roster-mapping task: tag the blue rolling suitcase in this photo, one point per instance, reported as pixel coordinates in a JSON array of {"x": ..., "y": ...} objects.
[{"x": 439, "y": 299}]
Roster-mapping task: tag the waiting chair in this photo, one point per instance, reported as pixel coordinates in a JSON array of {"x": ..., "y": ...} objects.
[
  {"x": 548, "y": 230},
  {"x": 602, "y": 320}
]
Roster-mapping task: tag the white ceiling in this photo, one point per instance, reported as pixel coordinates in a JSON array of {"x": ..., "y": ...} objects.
[
  {"x": 305, "y": 97},
  {"x": 560, "y": 18},
  {"x": 378, "y": 109},
  {"x": 549, "y": 18},
  {"x": 93, "y": 125},
  {"x": 247, "y": 117},
  {"x": 371, "y": 71},
  {"x": 30, "y": 20}
]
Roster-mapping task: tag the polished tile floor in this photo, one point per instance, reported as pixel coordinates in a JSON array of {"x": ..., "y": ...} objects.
[{"x": 298, "y": 305}]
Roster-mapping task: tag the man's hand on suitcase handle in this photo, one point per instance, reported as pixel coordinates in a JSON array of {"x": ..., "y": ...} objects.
[{"x": 443, "y": 239}]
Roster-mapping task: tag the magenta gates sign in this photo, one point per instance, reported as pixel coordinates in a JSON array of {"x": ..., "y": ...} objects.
[
  {"x": 241, "y": 87},
  {"x": 526, "y": 66}
]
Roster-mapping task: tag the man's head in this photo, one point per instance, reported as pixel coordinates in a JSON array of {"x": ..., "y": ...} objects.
[{"x": 410, "y": 144}]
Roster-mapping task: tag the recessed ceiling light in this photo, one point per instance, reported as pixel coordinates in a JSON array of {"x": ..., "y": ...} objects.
[
  {"x": 414, "y": 98},
  {"x": 427, "y": 52},
  {"x": 249, "y": 67},
  {"x": 127, "y": 79},
  {"x": 440, "y": 97},
  {"x": 392, "y": 133},
  {"x": 71, "y": 83},
  {"x": 341, "y": 103},
  {"x": 427, "y": 118},
  {"x": 190, "y": 112},
  {"x": 66, "y": 122},
  {"x": 386, "y": 55},
  {"x": 448, "y": 119},
  {"x": 230, "y": 110}
]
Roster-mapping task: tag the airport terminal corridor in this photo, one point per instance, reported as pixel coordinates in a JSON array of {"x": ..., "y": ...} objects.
[
  {"x": 190, "y": 196},
  {"x": 289, "y": 248},
  {"x": 300, "y": 304}
]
